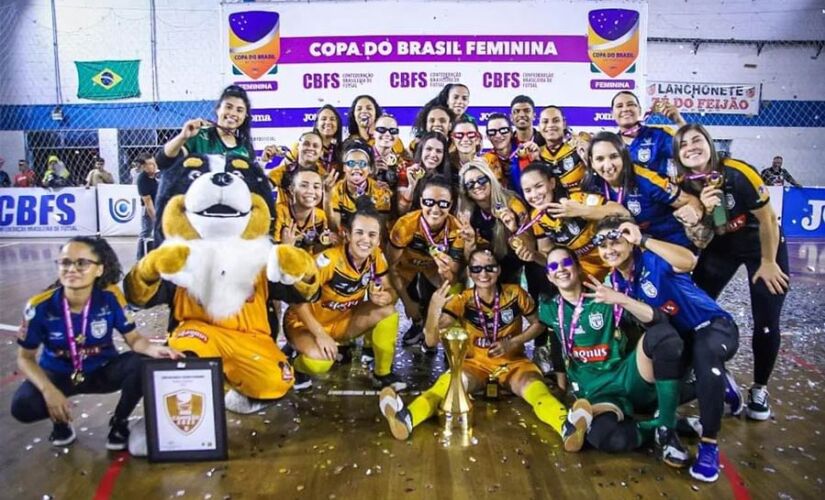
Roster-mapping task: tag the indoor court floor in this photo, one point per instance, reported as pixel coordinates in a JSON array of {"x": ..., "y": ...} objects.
[{"x": 331, "y": 442}]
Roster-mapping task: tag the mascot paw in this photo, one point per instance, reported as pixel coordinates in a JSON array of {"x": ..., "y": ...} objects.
[
  {"x": 293, "y": 267},
  {"x": 168, "y": 259}
]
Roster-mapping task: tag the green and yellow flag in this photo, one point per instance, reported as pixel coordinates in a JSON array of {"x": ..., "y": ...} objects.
[{"x": 106, "y": 80}]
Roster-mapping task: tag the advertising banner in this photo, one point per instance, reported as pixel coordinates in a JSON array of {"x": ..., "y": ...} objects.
[
  {"x": 803, "y": 210},
  {"x": 43, "y": 213},
  {"x": 296, "y": 57},
  {"x": 118, "y": 209},
  {"x": 719, "y": 98}
]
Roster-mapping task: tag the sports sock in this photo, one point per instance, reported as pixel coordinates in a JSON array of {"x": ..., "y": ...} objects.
[
  {"x": 383, "y": 343},
  {"x": 310, "y": 366},
  {"x": 667, "y": 394},
  {"x": 545, "y": 405},
  {"x": 425, "y": 405}
]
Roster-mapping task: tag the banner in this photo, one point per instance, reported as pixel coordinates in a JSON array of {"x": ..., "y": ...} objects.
[
  {"x": 118, "y": 209},
  {"x": 578, "y": 57},
  {"x": 717, "y": 98},
  {"x": 803, "y": 211},
  {"x": 42, "y": 213},
  {"x": 107, "y": 80}
]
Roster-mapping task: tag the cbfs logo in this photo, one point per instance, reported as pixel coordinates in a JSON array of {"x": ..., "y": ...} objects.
[
  {"x": 122, "y": 210},
  {"x": 43, "y": 210},
  {"x": 254, "y": 43},
  {"x": 613, "y": 41}
]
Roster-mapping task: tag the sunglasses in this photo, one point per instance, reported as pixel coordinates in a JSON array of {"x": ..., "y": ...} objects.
[
  {"x": 490, "y": 268},
  {"x": 430, "y": 202},
  {"x": 356, "y": 163},
  {"x": 469, "y": 135},
  {"x": 478, "y": 182},
  {"x": 492, "y": 132},
  {"x": 81, "y": 265},
  {"x": 612, "y": 235},
  {"x": 565, "y": 262},
  {"x": 384, "y": 130}
]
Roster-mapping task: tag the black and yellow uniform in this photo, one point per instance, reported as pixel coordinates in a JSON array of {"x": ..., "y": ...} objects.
[
  {"x": 309, "y": 231},
  {"x": 565, "y": 165},
  {"x": 574, "y": 233},
  {"x": 498, "y": 165},
  {"x": 343, "y": 202},
  {"x": 408, "y": 234},
  {"x": 745, "y": 191},
  {"x": 484, "y": 225},
  {"x": 343, "y": 287},
  {"x": 277, "y": 174},
  {"x": 480, "y": 323}
]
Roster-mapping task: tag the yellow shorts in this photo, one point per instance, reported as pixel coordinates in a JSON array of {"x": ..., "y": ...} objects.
[
  {"x": 334, "y": 323},
  {"x": 482, "y": 368},
  {"x": 252, "y": 363}
]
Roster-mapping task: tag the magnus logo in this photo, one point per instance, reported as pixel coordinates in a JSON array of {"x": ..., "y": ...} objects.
[
  {"x": 122, "y": 210},
  {"x": 41, "y": 210},
  {"x": 254, "y": 43}
]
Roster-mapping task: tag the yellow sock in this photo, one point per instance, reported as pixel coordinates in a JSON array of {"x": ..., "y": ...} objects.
[
  {"x": 312, "y": 366},
  {"x": 425, "y": 405},
  {"x": 545, "y": 405},
  {"x": 383, "y": 337}
]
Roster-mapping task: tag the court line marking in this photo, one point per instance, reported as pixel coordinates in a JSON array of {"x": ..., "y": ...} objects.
[
  {"x": 109, "y": 479},
  {"x": 357, "y": 393},
  {"x": 4, "y": 245},
  {"x": 737, "y": 484}
]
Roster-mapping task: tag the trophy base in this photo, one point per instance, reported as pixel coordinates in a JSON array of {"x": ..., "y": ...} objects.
[{"x": 456, "y": 430}]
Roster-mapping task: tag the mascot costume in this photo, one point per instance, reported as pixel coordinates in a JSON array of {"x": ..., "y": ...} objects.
[{"x": 218, "y": 271}]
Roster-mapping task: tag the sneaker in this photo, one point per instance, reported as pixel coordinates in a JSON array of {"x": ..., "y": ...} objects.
[
  {"x": 576, "y": 425},
  {"x": 388, "y": 380},
  {"x": 62, "y": 435},
  {"x": 414, "y": 335},
  {"x": 367, "y": 356},
  {"x": 670, "y": 449},
  {"x": 344, "y": 354},
  {"x": 733, "y": 395},
  {"x": 541, "y": 357},
  {"x": 302, "y": 381},
  {"x": 137, "y": 439},
  {"x": 706, "y": 466},
  {"x": 238, "y": 403},
  {"x": 118, "y": 435},
  {"x": 397, "y": 415},
  {"x": 689, "y": 426},
  {"x": 758, "y": 407}
]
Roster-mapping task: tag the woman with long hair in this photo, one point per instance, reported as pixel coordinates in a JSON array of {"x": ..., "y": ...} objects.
[
  {"x": 340, "y": 196},
  {"x": 737, "y": 204},
  {"x": 329, "y": 126},
  {"x": 658, "y": 206},
  {"x": 467, "y": 141},
  {"x": 431, "y": 118},
  {"x": 559, "y": 150},
  {"x": 431, "y": 158},
  {"x": 74, "y": 321}
]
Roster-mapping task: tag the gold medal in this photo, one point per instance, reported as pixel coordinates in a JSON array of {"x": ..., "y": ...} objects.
[
  {"x": 391, "y": 160},
  {"x": 417, "y": 174},
  {"x": 324, "y": 238},
  {"x": 80, "y": 339},
  {"x": 78, "y": 378},
  {"x": 516, "y": 242}
]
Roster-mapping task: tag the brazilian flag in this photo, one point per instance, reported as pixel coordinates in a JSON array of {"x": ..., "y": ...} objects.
[{"x": 106, "y": 80}]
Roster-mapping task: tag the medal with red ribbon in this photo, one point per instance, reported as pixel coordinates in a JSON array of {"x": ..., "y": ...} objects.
[
  {"x": 75, "y": 340},
  {"x": 434, "y": 247},
  {"x": 496, "y": 317}
]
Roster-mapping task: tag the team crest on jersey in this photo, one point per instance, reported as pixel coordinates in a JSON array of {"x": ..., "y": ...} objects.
[
  {"x": 322, "y": 260},
  {"x": 365, "y": 279},
  {"x": 507, "y": 316},
  {"x": 730, "y": 201},
  {"x": 596, "y": 320},
  {"x": 649, "y": 289},
  {"x": 99, "y": 328},
  {"x": 184, "y": 408},
  {"x": 573, "y": 227},
  {"x": 644, "y": 155},
  {"x": 634, "y": 206},
  {"x": 568, "y": 163},
  {"x": 28, "y": 313}
]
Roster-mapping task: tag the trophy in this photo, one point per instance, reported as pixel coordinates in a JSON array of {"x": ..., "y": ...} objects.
[
  {"x": 720, "y": 211},
  {"x": 455, "y": 412}
]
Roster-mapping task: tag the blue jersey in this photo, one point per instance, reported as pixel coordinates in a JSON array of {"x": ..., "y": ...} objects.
[
  {"x": 652, "y": 149},
  {"x": 45, "y": 324},
  {"x": 649, "y": 201},
  {"x": 657, "y": 284}
]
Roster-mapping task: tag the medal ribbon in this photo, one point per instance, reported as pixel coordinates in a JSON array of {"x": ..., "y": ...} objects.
[
  {"x": 303, "y": 228},
  {"x": 77, "y": 359},
  {"x": 429, "y": 235},
  {"x": 568, "y": 340},
  {"x": 607, "y": 193},
  {"x": 496, "y": 315},
  {"x": 532, "y": 222},
  {"x": 617, "y": 309},
  {"x": 632, "y": 131}
]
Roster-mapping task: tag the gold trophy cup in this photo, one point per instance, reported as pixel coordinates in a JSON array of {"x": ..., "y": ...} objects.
[{"x": 455, "y": 412}]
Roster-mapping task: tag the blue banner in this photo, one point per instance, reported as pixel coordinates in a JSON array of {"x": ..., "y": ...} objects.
[{"x": 803, "y": 211}]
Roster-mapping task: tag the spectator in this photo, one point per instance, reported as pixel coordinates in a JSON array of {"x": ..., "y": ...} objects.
[
  {"x": 147, "y": 184},
  {"x": 56, "y": 175},
  {"x": 775, "y": 175},
  {"x": 99, "y": 174},
  {"x": 25, "y": 178},
  {"x": 4, "y": 177},
  {"x": 135, "y": 168}
]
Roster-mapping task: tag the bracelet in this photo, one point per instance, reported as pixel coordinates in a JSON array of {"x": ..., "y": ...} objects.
[{"x": 643, "y": 241}]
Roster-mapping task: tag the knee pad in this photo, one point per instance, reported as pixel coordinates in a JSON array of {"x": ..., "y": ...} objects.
[{"x": 666, "y": 356}]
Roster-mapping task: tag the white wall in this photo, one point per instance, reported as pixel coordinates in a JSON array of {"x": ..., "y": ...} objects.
[{"x": 12, "y": 148}]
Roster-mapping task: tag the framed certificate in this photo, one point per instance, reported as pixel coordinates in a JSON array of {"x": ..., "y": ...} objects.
[{"x": 185, "y": 417}]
